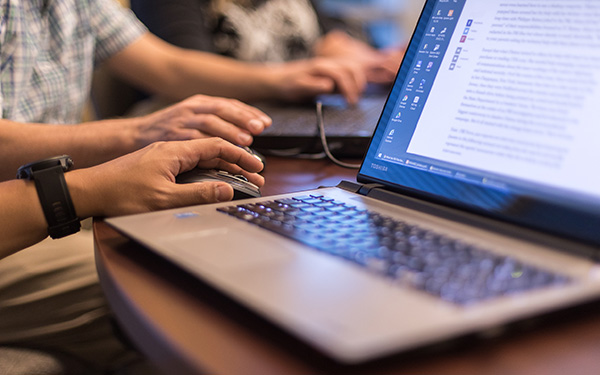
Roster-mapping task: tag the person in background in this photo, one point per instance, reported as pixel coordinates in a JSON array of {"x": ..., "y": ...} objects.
[
  {"x": 283, "y": 33},
  {"x": 49, "y": 293}
]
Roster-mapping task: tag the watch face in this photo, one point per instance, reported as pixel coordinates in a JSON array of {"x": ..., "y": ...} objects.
[{"x": 64, "y": 161}]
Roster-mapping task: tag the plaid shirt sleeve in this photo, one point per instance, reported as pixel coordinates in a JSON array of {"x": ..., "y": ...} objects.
[
  {"x": 114, "y": 26},
  {"x": 48, "y": 50}
]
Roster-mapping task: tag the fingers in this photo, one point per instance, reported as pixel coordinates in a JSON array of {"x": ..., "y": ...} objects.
[
  {"x": 352, "y": 84},
  {"x": 215, "y": 153},
  {"x": 349, "y": 78},
  {"x": 201, "y": 193},
  {"x": 311, "y": 86},
  {"x": 323, "y": 75},
  {"x": 202, "y": 116},
  {"x": 241, "y": 115},
  {"x": 212, "y": 125},
  {"x": 381, "y": 75},
  {"x": 385, "y": 68},
  {"x": 234, "y": 169},
  {"x": 212, "y": 153},
  {"x": 145, "y": 180}
]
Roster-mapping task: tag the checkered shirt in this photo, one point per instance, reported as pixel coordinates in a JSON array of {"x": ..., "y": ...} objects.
[{"x": 48, "y": 50}]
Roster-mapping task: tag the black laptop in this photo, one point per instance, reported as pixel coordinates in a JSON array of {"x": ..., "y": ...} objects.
[{"x": 347, "y": 128}]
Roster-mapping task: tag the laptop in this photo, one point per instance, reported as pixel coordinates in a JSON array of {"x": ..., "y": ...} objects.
[
  {"x": 348, "y": 128},
  {"x": 477, "y": 204}
]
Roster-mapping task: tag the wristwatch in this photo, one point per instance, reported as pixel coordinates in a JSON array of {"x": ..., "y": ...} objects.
[{"x": 48, "y": 175}]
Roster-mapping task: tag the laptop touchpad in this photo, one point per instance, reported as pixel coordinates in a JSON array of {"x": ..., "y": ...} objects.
[{"x": 225, "y": 249}]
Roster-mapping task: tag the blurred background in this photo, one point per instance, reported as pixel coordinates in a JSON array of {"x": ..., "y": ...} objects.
[{"x": 387, "y": 23}]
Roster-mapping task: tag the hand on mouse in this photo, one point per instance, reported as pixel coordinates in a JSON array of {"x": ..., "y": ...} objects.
[{"x": 145, "y": 180}]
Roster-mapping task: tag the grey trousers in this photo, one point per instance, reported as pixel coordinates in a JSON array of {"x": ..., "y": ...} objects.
[{"x": 50, "y": 297}]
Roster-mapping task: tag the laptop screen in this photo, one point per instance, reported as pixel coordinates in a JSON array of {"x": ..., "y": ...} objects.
[{"x": 496, "y": 107}]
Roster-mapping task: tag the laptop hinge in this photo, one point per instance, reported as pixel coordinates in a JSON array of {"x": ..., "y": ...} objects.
[
  {"x": 362, "y": 189},
  {"x": 366, "y": 189}
]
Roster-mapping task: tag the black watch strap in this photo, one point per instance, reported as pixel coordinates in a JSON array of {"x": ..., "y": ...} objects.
[
  {"x": 54, "y": 196},
  {"x": 56, "y": 202}
]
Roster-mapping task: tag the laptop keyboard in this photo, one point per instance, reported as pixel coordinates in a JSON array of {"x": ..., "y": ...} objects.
[{"x": 405, "y": 253}]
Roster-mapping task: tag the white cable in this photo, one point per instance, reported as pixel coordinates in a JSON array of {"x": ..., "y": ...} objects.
[{"x": 321, "y": 128}]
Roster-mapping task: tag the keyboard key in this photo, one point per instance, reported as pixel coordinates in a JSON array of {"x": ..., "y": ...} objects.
[{"x": 408, "y": 254}]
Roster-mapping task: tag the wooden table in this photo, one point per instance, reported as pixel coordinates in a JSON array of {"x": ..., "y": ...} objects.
[{"x": 186, "y": 327}]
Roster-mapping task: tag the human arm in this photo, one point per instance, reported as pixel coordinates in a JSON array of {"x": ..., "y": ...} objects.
[
  {"x": 99, "y": 141},
  {"x": 159, "y": 67},
  {"x": 380, "y": 66},
  {"x": 139, "y": 182},
  {"x": 185, "y": 23}
]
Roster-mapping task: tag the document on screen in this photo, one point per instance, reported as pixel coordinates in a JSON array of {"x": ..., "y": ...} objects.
[{"x": 521, "y": 99}]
